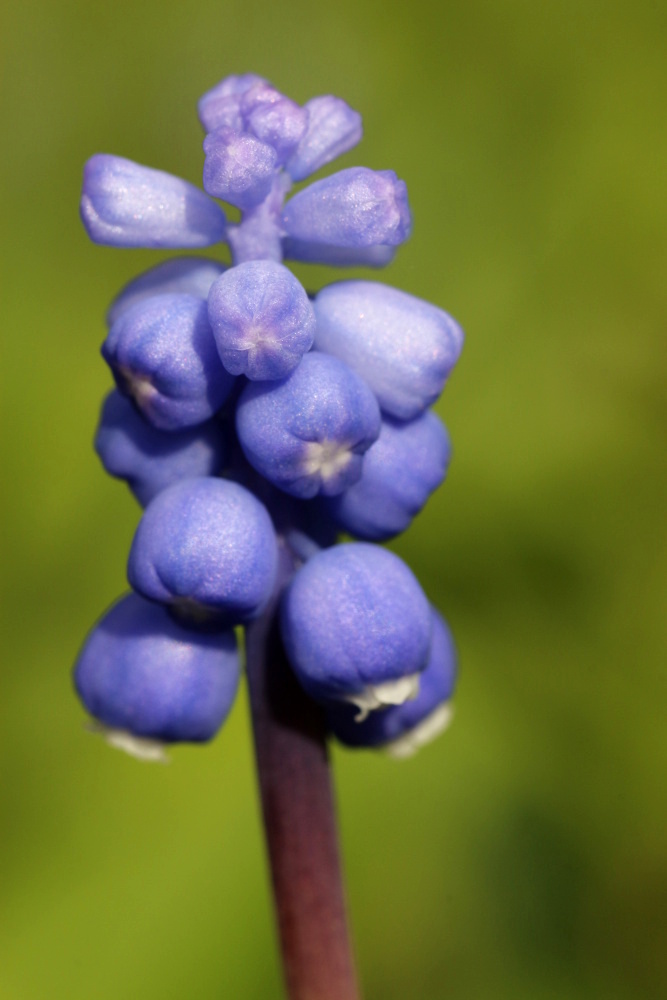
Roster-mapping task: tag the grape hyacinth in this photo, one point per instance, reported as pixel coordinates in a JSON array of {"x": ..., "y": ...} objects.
[{"x": 254, "y": 422}]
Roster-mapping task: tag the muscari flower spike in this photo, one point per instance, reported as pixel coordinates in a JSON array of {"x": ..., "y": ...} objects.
[{"x": 251, "y": 419}]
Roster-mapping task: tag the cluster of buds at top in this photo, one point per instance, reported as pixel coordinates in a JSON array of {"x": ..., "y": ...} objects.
[{"x": 249, "y": 415}]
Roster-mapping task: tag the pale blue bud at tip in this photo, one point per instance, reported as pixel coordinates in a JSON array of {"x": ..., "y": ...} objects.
[
  {"x": 185, "y": 275},
  {"x": 357, "y": 207},
  {"x": 273, "y": 118},
  {"x": 354, "y": 618},
  {"x": 239, "y": 168},
  {"x": 333, "y": 129},
  {"x": 221, "y": 104},
  {"x": 150, "y": 460},
  {"x": 403, "y": 729},
  {"x": 308, "y": 432},
  {"x": 262, "y": 320},
  {"x": 403, "y": 347},
  {"x": 163, "y": 355},
  {"x": 400, "y": 471},
  {"x": 125, "y": 204},
  {"x": 142, "y": 673},
  {"x": 209, "y": 544}
]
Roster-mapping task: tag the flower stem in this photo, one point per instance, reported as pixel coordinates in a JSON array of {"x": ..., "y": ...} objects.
[{"x": 299, "y": 819}]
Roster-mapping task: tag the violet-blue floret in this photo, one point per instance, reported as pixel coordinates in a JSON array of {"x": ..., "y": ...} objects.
[
  {"x": 176, "y": 275},
  {"x": 308, "y": 432},
  {"x": 149, "y": 460},
  {"x": 405, "y": 347},
  {"x": 163, "y": 355},
  {"x": 403, "y": 729},
  {"x": 401, "y": 469},
  {"x": 262, "y": 320},
  {"x": 146, "y": 677},
  {"x": 124, "y": 204},
  {"x": 252, "y": 417},
  {"x": 206, "y": 545},
  {"x": 357, "y": 626}
]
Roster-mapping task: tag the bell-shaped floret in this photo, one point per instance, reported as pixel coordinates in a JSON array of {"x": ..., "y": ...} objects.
[
  {"x": 402, "y": 346},
  {"x": 163, "y": 354},
  {"x": 205, "y": 545},
  {"x": 263, "y": 321},
  {"x": 407, "y": 462},
  {"x": 150, "y": 460},
  {"x": 146, "y": 678},
  {"x": 357, "y": 207},
  {"x": 185, "y": 275},
  {"x": 124, "y": 204},
  {"x": 239, "y": 168},
  {"x": 356, "y": 626},
  {"x": 307, "y": 433},
  {"x": 402, "y": 730},
  {"x": 333, "y": 129},
  {"x": 323, "y": 253},
  {"x": 273, "y": 118},
  {"x": 222, "y": 104}
]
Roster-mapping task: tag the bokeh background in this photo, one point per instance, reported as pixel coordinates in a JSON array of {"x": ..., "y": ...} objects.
[{"x": 523, "y": 855}]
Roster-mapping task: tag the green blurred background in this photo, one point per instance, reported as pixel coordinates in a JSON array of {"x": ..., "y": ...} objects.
[{"x": 523, "y": 855}]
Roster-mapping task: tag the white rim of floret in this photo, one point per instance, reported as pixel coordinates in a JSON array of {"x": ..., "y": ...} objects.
[
  {"x": 139, "y": 387},
  {"x": 139, "y": 747},
  {"x": 189, "y": 611},
  {"x": 378, "y": 696},
  {"x": 326, "y": 458},
  {"x": 424, "y": 732}
]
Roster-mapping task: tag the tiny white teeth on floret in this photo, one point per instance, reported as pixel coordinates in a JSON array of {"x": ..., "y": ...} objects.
[
  {"x": 326, "y": 457},
  {"x": 139, "y": 387},
  {"x": 430, "y": 727},
  {"x": 378, "y": 696},
  {"x": 138, "y": 747}
]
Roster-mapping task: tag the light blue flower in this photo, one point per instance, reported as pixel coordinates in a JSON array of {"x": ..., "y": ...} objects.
[{"x": 258, "y": 143}]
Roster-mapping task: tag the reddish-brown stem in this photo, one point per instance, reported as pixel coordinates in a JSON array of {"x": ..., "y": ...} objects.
[{"x": 299, "y": 819}]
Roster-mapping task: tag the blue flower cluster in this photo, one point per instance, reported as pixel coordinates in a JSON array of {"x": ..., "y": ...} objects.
[{"x": 249, "y": 416}]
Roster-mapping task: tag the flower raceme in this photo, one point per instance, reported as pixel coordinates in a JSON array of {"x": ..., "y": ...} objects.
[{"x": 250, "y": 417}]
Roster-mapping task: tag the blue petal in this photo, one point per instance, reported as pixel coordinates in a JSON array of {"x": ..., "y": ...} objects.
[
  {"x": 324, "y": 253},
  {"x": 333, "y": 129},
  {"x": 150, "y": 460},
  {"x": 262, "y": 320},
  {"x": 141, "y": 672},
  {"x": 354, "y": 615},
  {"x": 274, "y": 119},
  {"x": 239, "y": 168},
  {"x": 222, "y": 104},
  {"x": 403, "y": 347},
  {"x": 187, "y": 275},
  {"x": 209, "y": 542},
  {"x": 163, "y": 354},
  {"x": 407, "y": 462},
  {"x": 307, "y": 433},
  {"x": 436, "y": 687},
  {"x": 357, "y": 207},
  {"x": 124, "y": 204}
]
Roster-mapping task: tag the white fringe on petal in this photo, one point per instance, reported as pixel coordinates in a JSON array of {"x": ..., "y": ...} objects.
[
  {"x": 138, "y": 747},
  {"x": 425, "y": 731},
  {"x": 378, "y": 696}
]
